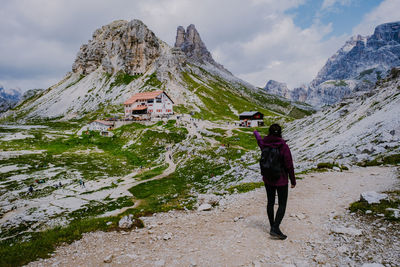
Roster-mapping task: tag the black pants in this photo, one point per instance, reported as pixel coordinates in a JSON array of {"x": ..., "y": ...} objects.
[{"x": 282, "y": 200}]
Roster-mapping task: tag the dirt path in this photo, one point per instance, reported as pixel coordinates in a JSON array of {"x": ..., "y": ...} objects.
[
  {"x": 127, "y": 184},
  {"x": 236, "y": 232}
]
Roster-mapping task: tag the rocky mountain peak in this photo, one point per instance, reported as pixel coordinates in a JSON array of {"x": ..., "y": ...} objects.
[
  {"x": 277, "y": 88},
  {"x": 190, "y": 43},
  {"x": 380, "y": 50},
  {"x": 120, "y": 45},
  {"x": 385, "y": 33}
]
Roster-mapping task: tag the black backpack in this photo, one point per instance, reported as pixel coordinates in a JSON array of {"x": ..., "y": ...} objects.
[{"x": 270, "y": 163}]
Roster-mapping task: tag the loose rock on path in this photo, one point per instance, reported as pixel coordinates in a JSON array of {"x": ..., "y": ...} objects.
[{"x": 236, "y": 233}]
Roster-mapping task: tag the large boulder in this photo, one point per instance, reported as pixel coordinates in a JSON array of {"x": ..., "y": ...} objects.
[
  {"x": 126, "y": 222},
  {"x": 372, "y": 197}
]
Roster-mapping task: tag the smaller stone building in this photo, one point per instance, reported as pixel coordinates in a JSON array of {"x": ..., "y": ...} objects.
[
  {"x": 104, "y": 127},
  {"x": 251, "y": 119}
]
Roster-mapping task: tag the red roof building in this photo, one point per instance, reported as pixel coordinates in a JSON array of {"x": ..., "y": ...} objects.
[{"x": 153, "y": 103}]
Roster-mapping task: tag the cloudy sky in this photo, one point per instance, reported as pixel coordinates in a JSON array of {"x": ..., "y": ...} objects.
[{"x": 257, "y": 40}]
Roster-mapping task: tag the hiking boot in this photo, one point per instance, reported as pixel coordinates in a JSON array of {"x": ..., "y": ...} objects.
[{"x": 276, "y": 232}]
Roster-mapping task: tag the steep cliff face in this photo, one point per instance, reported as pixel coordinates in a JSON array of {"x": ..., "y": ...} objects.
[
  {"x": 190, "y": 43},
  {"x": 277, "y": 88},
  {"x": 357, "y": 66},
  {"x": 121, "y": 45}
]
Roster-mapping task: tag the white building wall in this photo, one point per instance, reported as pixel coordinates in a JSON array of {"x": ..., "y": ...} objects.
[{"x": 163, "y": 108}]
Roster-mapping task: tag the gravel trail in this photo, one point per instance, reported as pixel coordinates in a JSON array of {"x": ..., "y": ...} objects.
[{"x": 236, "y": 233}]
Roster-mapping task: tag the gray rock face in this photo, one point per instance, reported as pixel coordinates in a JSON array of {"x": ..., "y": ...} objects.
[
  {"x": 30, "y": 93},
  {"x": 8, "y": 98},
  {"x": 277, "y": 88},
  {"x": 120, "y": 45},
  {"x": 126, "y": 222},
  {"x": 357, "y": 66},
  {"x": 190, "y": 43},
  {"x": 380, "y": 51},
  {"x": 299, "y": 93}
]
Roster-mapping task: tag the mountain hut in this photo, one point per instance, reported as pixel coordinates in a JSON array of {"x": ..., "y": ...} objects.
[
  {"x": 251, "y": 119},
  {"x": 156, "y": 103}
]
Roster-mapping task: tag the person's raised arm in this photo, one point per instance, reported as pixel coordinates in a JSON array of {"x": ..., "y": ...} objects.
[{"x": 258, "y": 137}]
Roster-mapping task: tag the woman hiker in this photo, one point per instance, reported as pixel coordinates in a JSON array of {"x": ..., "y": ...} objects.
[{"x": 280, "y": 185}]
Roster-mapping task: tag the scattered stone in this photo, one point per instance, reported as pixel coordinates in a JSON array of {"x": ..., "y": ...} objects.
[
  {"x": 368, "y": 211},
  {"x": 167, "y": 236},
  {"x": 301, "y": 216},
  {"x": 372, "y": 197},
  {"x": 126, "y": 222},
  {"x": 336, "y": 169},
  {"x": 396, "y": 212},
  {"x": 208, "y": 199},
  {"x": 372, "y": 265},
  {"x": 204, "y": 207},
  {"x": 346, "y": 231},
  {"x": 238, "y": 218},
  {"x": 108, "y": 223},
  {"x": 108, "y": 259}
]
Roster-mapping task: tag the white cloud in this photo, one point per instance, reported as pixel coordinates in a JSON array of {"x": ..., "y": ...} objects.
[
  {"x": 327, "y": 4},
  {"x": 387, "y": 11}
]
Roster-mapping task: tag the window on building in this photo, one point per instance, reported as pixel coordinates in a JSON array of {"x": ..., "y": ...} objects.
[
  {"x": 150, "y": 101},
  {"x": 158, "y": 100}
]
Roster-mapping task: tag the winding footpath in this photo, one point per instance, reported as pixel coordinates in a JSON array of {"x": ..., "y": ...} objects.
[{"x": 235, "y": 233}]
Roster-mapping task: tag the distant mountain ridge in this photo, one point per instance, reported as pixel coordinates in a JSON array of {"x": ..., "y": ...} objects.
[
  {"x": 361, "y": 129},
  {"x": 357, "y": 66},
  {"x": 125, "y": 57},
  {"x": 8, "y": 98}
]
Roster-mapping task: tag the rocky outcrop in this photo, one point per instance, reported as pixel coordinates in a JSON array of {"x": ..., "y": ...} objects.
[
  {"x": 299, "y": 93},
  {"x": 357, "y": 66},
  {"x": 8, "y": 98},
  {"x": 359, "y": 129},
  {"x": 376, "y": 53},
  {"x": 277, "y": 88},
  {"x": 30, "y": 93},
  {"x": 190, "y": 43},
  {"x": 121, "y": 45}
]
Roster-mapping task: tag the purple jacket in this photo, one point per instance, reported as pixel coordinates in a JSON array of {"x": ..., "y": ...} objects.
[{"x": 276, "y": 142}]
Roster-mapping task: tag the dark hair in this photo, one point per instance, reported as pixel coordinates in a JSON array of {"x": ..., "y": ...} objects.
[{"x": 275, "y": 130}]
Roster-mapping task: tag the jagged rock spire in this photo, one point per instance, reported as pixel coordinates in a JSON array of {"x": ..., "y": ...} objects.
[{"x": 190, "y": 43}]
